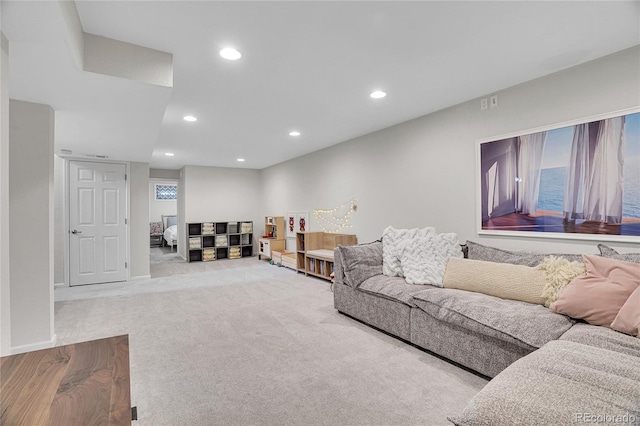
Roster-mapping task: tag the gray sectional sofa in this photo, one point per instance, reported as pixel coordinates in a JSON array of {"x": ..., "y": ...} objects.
[{"x": 545, "y": 367}]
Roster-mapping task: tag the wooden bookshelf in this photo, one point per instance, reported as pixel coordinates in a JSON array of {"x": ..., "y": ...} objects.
[{"x": 314, "y": 252}]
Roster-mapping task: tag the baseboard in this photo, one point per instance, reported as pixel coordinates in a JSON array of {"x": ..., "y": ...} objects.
[
  {"x": 35, "y": 346},
  {"x": 140, "y": 278}
]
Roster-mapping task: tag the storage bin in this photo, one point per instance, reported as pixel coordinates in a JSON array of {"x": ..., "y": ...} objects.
[
  {"x": 221, "y": 240},
  {"x": 195, "y": 243},
  {"x": 209, "y": 254},
  {"x": 208, "y": 229}
]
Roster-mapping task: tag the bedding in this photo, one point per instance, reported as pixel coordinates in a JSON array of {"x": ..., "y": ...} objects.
[{"x": 171, "y": 235}]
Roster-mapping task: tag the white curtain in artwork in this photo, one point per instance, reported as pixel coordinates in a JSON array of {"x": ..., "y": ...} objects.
[
  {"x": 593, "y": 189},
  {"x": 492, "y": 194},
  {"x": 500, "y": 178},
  {"x": 576, "y": 173},
  {"x": 603, "y": 201},
  {"x": 530, "y": 151}
]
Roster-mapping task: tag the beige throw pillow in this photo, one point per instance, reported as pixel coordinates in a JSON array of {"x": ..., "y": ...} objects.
[
  {"x": 515, "y": 282},
  {"x": 558, "y": 273}
]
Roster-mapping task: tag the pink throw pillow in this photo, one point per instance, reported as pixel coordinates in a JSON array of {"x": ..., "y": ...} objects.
[
  {"x": 628, "y": 319},
  {"x": 598, "y": 295}
]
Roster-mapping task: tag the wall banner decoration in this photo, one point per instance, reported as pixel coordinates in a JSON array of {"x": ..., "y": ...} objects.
[
  {"x": 302, "y": 222},
  {"x": 574, "y": 180},
  {"x": 296, "y": 222}
]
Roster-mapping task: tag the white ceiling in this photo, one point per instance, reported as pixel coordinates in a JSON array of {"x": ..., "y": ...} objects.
[{"x": 306, "y": 66}]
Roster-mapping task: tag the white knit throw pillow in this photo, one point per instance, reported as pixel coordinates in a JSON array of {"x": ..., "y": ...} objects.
[
  {"x": 392, "y": 239},
  {"x": 424, "y": 258}
]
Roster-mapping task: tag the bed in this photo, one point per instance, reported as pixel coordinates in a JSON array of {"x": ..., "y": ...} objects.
[{"x": 170, "y": 226}]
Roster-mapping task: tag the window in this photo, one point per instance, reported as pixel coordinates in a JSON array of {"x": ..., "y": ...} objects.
[{"x": 164, "y": 191}]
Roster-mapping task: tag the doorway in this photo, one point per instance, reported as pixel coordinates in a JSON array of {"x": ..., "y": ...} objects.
[
  {"x": 163, "y": 206},
  {"x": 97, "y": 222}
]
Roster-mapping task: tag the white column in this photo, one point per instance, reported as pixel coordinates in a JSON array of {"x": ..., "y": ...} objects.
[
  {"x": 139, "y": 220},
  {"x": 31, "y": 135},
  {"x": 5, "y": 285}
]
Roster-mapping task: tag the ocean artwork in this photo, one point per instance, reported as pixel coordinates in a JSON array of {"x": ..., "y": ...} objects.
[
  {"x": 552, "y": 182},
  {"x": 571, "y": 180}
]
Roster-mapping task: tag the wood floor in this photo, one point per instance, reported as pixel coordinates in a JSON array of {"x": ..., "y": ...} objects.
[
  {"x": 79, "y": 384},
  {"x": 548, "y": 222}
]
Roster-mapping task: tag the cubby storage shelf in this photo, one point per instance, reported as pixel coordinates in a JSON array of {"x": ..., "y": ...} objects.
[
  {"x": 209, "y": 241},
  {"x": 314, "y": 252}
]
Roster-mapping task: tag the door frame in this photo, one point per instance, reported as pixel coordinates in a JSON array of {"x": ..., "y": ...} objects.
[{"x": 67, "y": 228}]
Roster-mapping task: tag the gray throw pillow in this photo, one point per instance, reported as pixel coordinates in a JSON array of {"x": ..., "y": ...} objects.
[
  {"x": 606, "y": 251},
  {"x": 492, "y": 254},
  {"x": 361, "y": 262}
]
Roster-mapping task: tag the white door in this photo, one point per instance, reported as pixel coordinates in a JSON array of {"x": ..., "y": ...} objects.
[{"x": 97, "y": 222}]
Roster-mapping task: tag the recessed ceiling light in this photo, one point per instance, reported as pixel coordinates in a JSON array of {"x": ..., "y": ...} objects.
[
  {"x": 230, "y": 54},
  {"x": 189, "y": 118},
  {"x": 169, "y": 154},
  {"x": 378, "y": 94},
  {"x": 294, "y": 133},
  {"x": 240, "y": 160}
]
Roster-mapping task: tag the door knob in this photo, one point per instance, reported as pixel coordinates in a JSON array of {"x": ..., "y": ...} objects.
[{"x": 75, "y": 231}]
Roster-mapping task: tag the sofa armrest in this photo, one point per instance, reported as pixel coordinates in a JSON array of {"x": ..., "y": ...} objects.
[
  {"x": 355, "y": 264},
  {"x": 338, "y": 270}
]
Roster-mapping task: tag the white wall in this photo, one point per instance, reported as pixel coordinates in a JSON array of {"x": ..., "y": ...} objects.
[
  {"x": 31, "y": 134},
  {"x": 218, "y": 194},
  {"x": 139, "y": 220},
  {"x": 158, "y": 208},
  {"x": 59, "y": 232},
  {"x": 181, "y": 215},
  {"x": 164, "y": 174},
  {"x": 423, "y": 172},
  {"x": 5, "y": 284}
]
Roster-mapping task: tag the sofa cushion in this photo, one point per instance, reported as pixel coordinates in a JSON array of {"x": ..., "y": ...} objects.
[
  {"x": 598, "y": 295},
  {"x": 607, "y": 251},
  {"x": 491, "y": 254},
  {"x": 424, "y": 258},
  {"x": 521, "y": 323},
  {"x": 360, "y": 262},
  {"x": 559, "y": 384},
  {"x": 515, "y": 282},
  {"x": 392, "y": 240},
  {"x": 394, "y": 288},
  {"x": 603, "y": 337}
]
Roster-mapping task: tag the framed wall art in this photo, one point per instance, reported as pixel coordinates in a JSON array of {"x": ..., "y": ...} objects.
[
  {"x": 571, "y": 180},
  {"x": 296, "y": 222}
]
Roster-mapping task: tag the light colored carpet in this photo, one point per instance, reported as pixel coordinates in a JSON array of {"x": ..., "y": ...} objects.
[
  {"x": 167, "y": 263},
  {"x": 161, "y": 255},
  {"x": 254, "y": 344}
]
